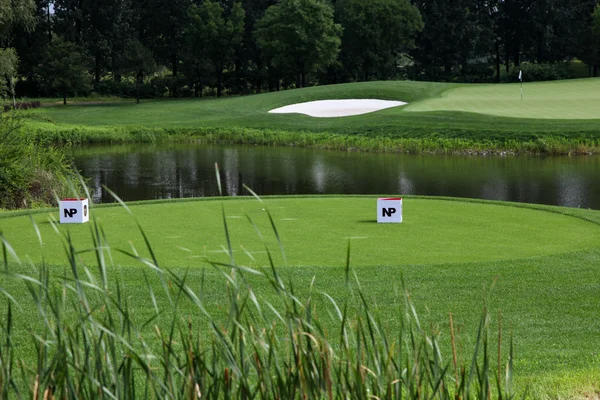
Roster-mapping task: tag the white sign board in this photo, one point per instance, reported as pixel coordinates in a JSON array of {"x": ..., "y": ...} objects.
[
  {"x": 389, "y": 210},
  {"x": 74, "y": 211}
]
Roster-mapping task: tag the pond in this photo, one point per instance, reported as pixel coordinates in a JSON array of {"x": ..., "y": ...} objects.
[{"x": 142, "y": 172}]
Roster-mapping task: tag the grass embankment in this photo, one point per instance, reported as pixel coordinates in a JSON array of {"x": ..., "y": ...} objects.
[
  {"x": 545, "y": 260},
  {"x": 440, "y": 117}
]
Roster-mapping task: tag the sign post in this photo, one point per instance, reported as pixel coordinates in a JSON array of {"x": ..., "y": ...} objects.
[
  {"x": 74, "y": 211},
  {"x": 389, "y": 210}
]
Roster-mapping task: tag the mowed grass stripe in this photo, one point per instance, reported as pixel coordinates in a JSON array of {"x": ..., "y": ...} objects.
[
  {"x": 579, "y": 99},
  {"x": 316, "y": 231}
]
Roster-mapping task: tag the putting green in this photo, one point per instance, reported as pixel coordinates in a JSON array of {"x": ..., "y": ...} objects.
[
  {"x": 574, "y": 99},
  {"x": 315, "y": 231}
]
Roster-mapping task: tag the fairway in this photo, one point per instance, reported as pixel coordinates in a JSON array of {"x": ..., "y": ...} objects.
[
  {"x": 579, "y": 99},
  {"x": 553, "y": 118},
  {"x": 433, "y": 232}
]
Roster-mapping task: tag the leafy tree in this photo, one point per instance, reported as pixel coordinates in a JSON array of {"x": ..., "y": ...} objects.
[
  {"x": 249, "y": 57},
  {"x": 458, "y": 35},
  {"x": 9, "y": 64},
  {"x": 162, "y": 27},
  {"x": 299, "y": 36},
  {"x": 139, "y": 61},
  {"x": 63, "y": 69},
  {"x": 215, "y": 37},
  {"x": 375, "y": 34},
  {"x": 591, "y": 53},
  {"x": 15, "y": 13}
]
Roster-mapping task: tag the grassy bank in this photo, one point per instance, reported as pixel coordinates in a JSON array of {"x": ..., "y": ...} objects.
[
  {"x": 435, "y": 120},
  {"x": 543, "y": 258}
]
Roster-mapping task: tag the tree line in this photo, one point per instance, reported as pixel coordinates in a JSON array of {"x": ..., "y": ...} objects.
[{"x": 150, "y": 48}]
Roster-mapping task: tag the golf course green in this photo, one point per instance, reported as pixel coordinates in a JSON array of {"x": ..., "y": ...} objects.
[
  {"x": 553, "y": 117},
  {"x": 543, "y": 259},
  {"x": 578, "y": 99}
]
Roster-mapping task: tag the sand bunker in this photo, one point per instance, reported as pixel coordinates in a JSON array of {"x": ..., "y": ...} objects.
[{"x": 337, "y": 108}]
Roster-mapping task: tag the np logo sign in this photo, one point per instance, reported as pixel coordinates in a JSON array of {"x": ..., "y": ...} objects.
[
  {"x": 389, "y": 210},
  {"x": 74, "y": 211}
]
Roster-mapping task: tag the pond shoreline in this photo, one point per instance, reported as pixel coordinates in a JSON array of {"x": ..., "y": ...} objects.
[{"x": 449, "y": 142}]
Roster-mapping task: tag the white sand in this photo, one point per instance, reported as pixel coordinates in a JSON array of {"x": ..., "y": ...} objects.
[{"x": 337, "y": 108}]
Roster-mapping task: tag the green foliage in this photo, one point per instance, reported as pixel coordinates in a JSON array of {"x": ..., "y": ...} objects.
[
  {"x": 139, "y": 60},
  {"x": 16, "y": 13},
  {"x": 9, "y": 64},
  {"x": 375, "y": 34},
  {"x": 537, "y": 72},
  {"x": 63, "y": 69},
  {"x": 29, "y": 175},
  {"x": 299, "y": 36},
  {"x": 213, "y": 38}
]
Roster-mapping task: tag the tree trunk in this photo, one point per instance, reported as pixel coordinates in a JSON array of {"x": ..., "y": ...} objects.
[
  {"x": 596, "y": 70},
  {"x": 258, "y": 83},
  {"x": 65, "y": 97},
  {"x": 12, "y": 89},
  {"x": 298, "y": 80},
  {"x": 49, "y": 24},
  {"x": 139, "y": 77},
  {"x": 173, "y": 90},
  {"x": 219, "y": 81},
  {"x": 303, "y": 78},
  {"x": 497, "y": 60},
  {"x": 96, "y": 71}
]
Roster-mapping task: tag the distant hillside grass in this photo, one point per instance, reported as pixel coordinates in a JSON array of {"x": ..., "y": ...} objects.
[{"x": 441, "y": 112}]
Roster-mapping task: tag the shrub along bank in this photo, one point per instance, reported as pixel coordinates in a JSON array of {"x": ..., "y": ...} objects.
[
  {"x": 30, "y": 174},
  {"x": 410, "y": 140}
]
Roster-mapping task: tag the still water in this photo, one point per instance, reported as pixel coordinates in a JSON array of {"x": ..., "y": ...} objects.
[{"x": 140, "y": 172}]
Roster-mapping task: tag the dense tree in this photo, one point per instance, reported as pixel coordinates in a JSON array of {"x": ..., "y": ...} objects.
[
  {"x": 299, "y": 36},
  {"x": 214, "y": 37},
  {"x": 139, "y": 61},
  {"x": 243, "y": 44},
  {"x": 591, "y": 42},
  {"x": 14, "y": 13},
  {"x": 163, "y": 25},
  {"x": 63, "y": 69},
  {"x": 458, "y": 34},
  {"x": 375, "y": 34},
  {"x": 249, "y": 57},
  {"x": 9, "y": 64}
]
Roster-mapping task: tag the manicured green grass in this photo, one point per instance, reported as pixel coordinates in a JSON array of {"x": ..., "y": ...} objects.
[
  {"x": 545, "y": 260},
  {"x": 432, "y": 121},
  {"x": 576, "y": 99},
  {"x": 434, "y": 231}
]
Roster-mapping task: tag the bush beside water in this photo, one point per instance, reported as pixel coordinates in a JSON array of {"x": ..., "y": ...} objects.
[{"x": 30, "y": 174}]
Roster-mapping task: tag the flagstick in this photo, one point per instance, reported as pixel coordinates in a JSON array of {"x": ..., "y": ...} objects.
[{"x": 521, "y": 79}]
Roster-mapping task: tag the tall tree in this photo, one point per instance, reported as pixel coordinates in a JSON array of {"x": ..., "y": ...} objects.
[
  {"x": 164, "y": 23},
  {"x": 14, "y": 13},
  {"x": 139, "y": 61},
  {"x": 299, "y": 36},
  {"x": 249, "y": 58},
  {"x": 63, "y": 69},
  {"x": 457, "y": 34},
  {"x": 215, "y": 36},
  {"x": 9, "y": 64},
  {"x": 375, "y": 34}
]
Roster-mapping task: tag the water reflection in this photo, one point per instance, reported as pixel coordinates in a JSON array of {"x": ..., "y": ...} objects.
[{"x": 168, "y": 171}]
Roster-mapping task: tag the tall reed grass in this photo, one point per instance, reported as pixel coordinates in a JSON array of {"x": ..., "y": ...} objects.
[
  {"x": 412, "y": 141},
  {"x": 90, "y": 345}
]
